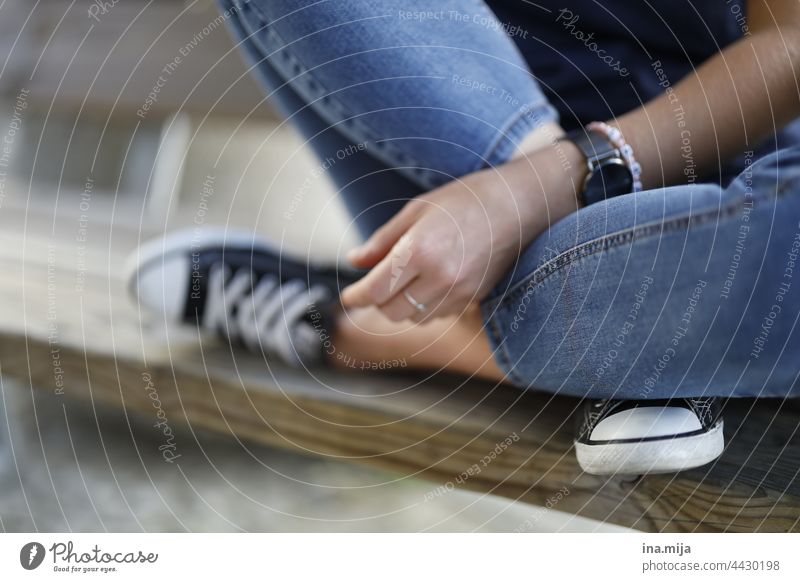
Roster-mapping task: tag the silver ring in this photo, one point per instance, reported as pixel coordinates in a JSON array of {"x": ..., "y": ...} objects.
[{"x": 417, "y": 305}]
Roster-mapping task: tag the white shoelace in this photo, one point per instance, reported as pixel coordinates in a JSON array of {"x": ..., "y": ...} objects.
[{"x": 268, "y": 316}]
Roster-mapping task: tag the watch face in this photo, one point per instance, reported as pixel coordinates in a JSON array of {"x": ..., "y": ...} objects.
[{"x": 611, "y": 178}]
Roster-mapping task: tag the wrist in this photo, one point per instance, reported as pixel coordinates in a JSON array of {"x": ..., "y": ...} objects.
[
  {"x": 544, "y": 135},
  {"x": 575, "y": 170},
  {"x": 548, "y": 183},
  {"x": 612, "y": 169}
]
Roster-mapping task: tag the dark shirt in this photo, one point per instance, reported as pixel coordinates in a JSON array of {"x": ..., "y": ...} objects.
[{"x": 596, "y": 60}]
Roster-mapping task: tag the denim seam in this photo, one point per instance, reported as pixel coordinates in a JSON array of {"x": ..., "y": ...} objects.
[
  {"x": 618, "y": 239},
  {"x": 503, "y": 355}
]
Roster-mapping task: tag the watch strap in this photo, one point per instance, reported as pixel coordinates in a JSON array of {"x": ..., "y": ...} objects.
[{"x": 608, "y": 172}]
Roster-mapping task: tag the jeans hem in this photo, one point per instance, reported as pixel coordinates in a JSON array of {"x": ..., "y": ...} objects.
[
  {"x": 499, "y": 349},
  {"x": 526, "y": 120}
]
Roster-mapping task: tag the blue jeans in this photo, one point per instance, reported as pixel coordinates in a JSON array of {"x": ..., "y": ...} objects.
[{"x": 683, "y": 291}]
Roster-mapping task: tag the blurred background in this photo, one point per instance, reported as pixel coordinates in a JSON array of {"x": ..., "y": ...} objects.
[{"x": 88, "y": 139}]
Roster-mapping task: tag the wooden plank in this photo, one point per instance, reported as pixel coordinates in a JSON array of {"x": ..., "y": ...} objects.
[{"x": 90, "y": 336}]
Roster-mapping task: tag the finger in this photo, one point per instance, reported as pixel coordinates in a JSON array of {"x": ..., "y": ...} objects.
[
  {"x": 441, "y": 298},
  {"x": 440, "y": 302},
  {"x": 400, "y": 307},
  {"x": 439, "y": 306},
  {"x": 388, "y": 277},
  {"x": 382, "y": 240}
]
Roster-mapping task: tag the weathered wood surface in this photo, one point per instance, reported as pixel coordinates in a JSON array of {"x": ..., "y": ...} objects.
[{"x": 435, "y": 428}]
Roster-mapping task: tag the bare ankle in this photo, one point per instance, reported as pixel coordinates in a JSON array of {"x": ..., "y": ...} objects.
[{"x": 366, "y": 340}]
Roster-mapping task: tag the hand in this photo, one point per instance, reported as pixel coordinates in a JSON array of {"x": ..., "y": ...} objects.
[{"x": 446, "y": 249}]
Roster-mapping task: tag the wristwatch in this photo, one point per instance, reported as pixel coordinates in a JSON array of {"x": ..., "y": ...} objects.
[{"x": 609, "y": 174}]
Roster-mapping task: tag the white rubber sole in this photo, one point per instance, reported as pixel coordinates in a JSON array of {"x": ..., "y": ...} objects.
[{"x": 662, "y": 456}]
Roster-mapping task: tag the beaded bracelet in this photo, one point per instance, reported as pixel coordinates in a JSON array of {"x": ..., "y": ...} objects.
[{"x": 614, "y": 136}]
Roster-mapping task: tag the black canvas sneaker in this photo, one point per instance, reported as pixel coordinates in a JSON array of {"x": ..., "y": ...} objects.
[
  {"x": 241, "y": 287},
  {"x": 634, "y": 437}
]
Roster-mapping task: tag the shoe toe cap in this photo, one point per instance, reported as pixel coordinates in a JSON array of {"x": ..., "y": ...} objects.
[
  {"x": 646, "y": 422},
  {"x": 160, "y": 285}
]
